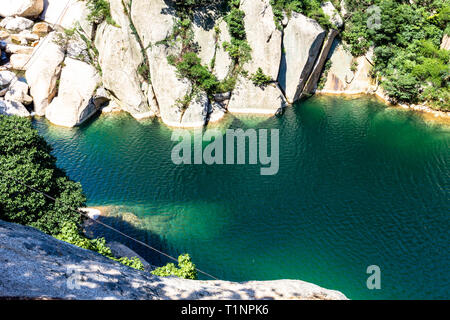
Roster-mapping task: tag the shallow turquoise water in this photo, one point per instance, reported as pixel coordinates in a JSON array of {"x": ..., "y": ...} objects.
[{"x": 359, "y": 184}]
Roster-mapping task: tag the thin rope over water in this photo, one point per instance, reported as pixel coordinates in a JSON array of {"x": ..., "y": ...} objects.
[{"x": 103, "y": 224}]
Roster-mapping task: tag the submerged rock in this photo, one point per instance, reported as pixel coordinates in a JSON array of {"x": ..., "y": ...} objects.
[
  {"x": 72, "y": 106},
  {"x": 30, "y": 256}
]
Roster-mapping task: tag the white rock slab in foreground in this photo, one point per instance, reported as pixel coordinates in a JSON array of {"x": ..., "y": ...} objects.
[{"x": 37, "y": 265}]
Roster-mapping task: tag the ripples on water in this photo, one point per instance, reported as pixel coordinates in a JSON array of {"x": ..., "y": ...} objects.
[{"x": 359, "y": 184}]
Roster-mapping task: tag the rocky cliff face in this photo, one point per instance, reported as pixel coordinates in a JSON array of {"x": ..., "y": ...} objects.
[
  {"x": 35, "y": 265},
  {"x": 130, "y": 59}
]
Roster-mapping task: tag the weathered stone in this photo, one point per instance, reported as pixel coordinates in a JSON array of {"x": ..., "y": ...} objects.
[
  {"x": 248, "y": 98},
  {"x": 169, "y": 89},
  {"x": 67, "y": 14},
  {"x": 216, "y": 112},
  {"x": 13, "y": 108},
  {"x": 197, "y": 112},
  {"x": 6, "y": 77},
  {"x": 14, "y": 48},
  {"x": 16, "y": 23},
  {"x": 204, "y": 35},
  {"x": 43, "y": 71},
  {"x": 37, "y": 265},
  {"x": 41, "y": 29},
  {"x": 331, "y": 12},
  {"x": 223, "y": 62},
  {"x": 120, "y": 58},
  {"x": 18, "y": 91},
  {"x": 22, "y": 8},
  {"x": 20, "y": 61},
  {"x": 303, "y": 38},
  {"x": 342, "y": 80},
  {"x": 263, "y": 37},
  {"x": 71, "y": 107},
  {"x": 153, "y": 20}
]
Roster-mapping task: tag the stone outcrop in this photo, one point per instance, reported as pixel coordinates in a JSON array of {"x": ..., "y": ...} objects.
[
  {"x": 331, "y": 12},
  {"x": 223, "y": 63},
  {"x": 16, "y": 23},
  {"x": 13, "y": 108},
  {"x": 67, "y": 14},
  {"x": 303, "y": 38},
  {"x": 43, "y": 72},
  {"x": 263, "y": 37},
  {"x": 18, "y": 91},
  {"x": 248, "y": 98},
  {"x": 22, "y": 8},
  {"x": 35, "y": 265},
  {"x": 72, "y": 106},
  {"x": 119, "y": 58},
  {"x": 342, "y": 80}
]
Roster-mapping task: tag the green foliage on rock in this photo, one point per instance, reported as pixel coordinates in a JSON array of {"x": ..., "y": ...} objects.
[
  {"x": 71, "y": 233},
  {"x": 260, "y": 79},
  {"x": 25, "y": 156},
  {"x": 185, "y": 270},
  {"x": 310, "y": 8},
  {"x": 100, "y": 11},
  {"x": 406, "y": 44}
]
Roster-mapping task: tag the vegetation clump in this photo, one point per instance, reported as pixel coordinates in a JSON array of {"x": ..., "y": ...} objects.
[
  {"x": 260, "y": 79},
  {"x": 186, "y": 269},
  {"x": 407, "y": 55}
]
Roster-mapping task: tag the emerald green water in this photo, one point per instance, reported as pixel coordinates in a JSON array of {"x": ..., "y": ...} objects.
[{"x": 359, "y": 184}]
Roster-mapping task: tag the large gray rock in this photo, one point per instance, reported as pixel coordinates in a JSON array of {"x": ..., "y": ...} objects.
[
  {"x": 22, "y": 8},
  {"x": 13, "y": 108},
  {"x": 73, "y": 106},
  {"x": 331, "y": 12},
  {"x": 205, "y": 35},
  {"x": 43, "y": 72},
  {"x": 6, "y": 77},
  {"x": 223, "y": 62},
  {"x": 153, "y": 20},
  {"x": 16, "y": 23},
  {"x": 20, "y": 61},
  {"x": 263, "y": 37},
  {"x": 342, "y": 80},
  {"x": 18, "y": 91},
  {"x": 67, "y": 14},
  {"x": 248, "y": 98},
  {"x": 303, "y": 38},
  {"x": 119, "y": 58},
  {"x": 35, "y": 265},
  {"x": 197, "y": 112}
]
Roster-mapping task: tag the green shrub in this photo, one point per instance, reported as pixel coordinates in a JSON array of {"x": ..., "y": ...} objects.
[
  {"x": 185, "y": 270},
  {"x": 99, "y": 11},
  {"x": 260, "y": 79},
  {"x": 26, "y": 156},
  {"x": 71, "y": 233}
]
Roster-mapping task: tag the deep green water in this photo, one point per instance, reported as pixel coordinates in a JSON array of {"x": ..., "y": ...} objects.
[{"x": 359, "y": 184}]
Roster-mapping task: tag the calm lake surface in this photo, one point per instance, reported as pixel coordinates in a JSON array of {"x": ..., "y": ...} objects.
[{"x": 359, "y": 184}]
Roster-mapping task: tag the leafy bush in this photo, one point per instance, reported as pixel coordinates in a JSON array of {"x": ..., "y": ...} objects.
[
  {"x": 407, "y": 55},
  {"x": 260, "y": 79},
  {"x": 26, "y": 156},
  {"x": 186, "y": 269},
  {"x": 310, "y": 8},
  {"x": 71, "y": 233},
  {"x": 99, "y": 11}
]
